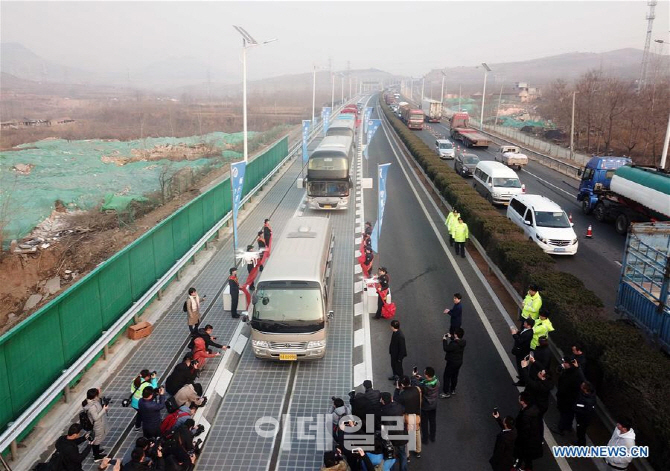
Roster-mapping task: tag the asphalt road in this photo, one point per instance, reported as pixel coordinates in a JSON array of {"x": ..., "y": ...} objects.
[
  {"x": 423, "y": 280},
  {"x": 597, "y": 262}
]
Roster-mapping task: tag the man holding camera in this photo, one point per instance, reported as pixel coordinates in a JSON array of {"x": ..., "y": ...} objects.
[
  {"x": 68, "y": 447},
  {"x": 410, "y": 398},
  {"x": 521, "y": 348},
  {"x": 184, "y": 373},
  {"x": 139, "y": 461},
  {"x": 454, "y": 346},
  {"x": 430, "y": 389},
  {"x": 567, "y": 390},
  {"x": 150, "y": 411},
  {"x": 96, "y": 410}
]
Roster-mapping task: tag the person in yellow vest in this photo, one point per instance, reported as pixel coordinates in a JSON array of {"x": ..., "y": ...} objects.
[
  {"x": 541, "y": 328},
  {"x": 452, "y": 219},
  {"x": 460, "y": 236},
  {"x": 530, "y": 308}
]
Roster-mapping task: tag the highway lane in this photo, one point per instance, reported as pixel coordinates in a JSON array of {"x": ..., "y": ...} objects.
[
  {"x": 597, "y": 262},
  {"x": 423, "y": 279}
]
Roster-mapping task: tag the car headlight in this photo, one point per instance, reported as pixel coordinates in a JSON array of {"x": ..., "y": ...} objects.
[
  {"x": 495, "y": 195},
  {"x": 260, "y": 343},
  {"x": 574, "y": 241},
  {"x": 316, "y": 344},
  {"x": 541, "y": 239}
]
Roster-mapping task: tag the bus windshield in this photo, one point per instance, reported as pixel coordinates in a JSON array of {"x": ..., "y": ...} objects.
[
  {"x": 328, "y": 188},
  {"x": 288, "y": 305}
]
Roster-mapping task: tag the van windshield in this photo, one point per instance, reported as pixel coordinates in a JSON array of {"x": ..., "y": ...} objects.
[
  {"x": 507, "y": 182},
  {"x": 285, "y": 305},
  {"x": 446, "y": 145},
  {"x": 551, "y": 219}
]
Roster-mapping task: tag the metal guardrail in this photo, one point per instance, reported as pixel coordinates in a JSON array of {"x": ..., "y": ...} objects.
[
  {"x": 546, "y": 160},
  {"x": 15, "y": 428}
]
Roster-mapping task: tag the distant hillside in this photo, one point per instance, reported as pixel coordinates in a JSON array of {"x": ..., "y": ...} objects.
[{"x": 623, "y": 63}]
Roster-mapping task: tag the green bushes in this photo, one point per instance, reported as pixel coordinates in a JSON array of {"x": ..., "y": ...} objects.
[{"x": 631, "y": 378}]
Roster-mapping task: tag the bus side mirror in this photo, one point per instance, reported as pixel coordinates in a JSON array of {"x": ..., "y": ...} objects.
[
  {"x": 579, "y": 172},
  {"x": 331, "y": 314},
  {"x": 254, "y": 299}
]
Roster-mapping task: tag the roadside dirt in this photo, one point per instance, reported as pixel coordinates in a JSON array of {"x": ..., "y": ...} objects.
[{"x": 85, "y": 240}]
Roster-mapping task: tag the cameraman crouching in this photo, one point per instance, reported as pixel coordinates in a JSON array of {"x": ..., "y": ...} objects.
[
  {"x": 180, "y": 450},
  {"x": 139, "y": 461}
]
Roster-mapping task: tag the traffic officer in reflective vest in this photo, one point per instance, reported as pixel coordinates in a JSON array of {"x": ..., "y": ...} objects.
[
  {"x": 460, "y": 234},
  {"x": 530, "y": 308}
]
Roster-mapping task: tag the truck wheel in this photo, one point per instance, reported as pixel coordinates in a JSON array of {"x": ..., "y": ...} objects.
[
  {"x": 586, "y": 207},
  {"x": 621, "y": 224},
  {"x": 518, "y": 168},
  {"x": 599, "y": 212}
]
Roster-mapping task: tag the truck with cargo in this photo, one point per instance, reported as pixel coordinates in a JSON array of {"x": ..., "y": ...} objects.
[
  {"x": 645, "y": 281},
  {"x": 512, "y": 157},
  {"x": 614, "y": 190},
  {"x": 432, "y": 110},
  {"x": 412, "y": 117},
  {"x": 459, "y": 125}
]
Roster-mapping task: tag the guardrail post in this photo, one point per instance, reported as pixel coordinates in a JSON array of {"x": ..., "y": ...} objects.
[
  {"x": 136, "y": 319},
  {"x": 14, "y": 450},
  {"x": 193, "y": 259},
  {"x": 178, "y": 275},
  {"x": 105, "y": 352},
  {"x": 66, "y": 393},
  {"x": 159, "y": 295}
]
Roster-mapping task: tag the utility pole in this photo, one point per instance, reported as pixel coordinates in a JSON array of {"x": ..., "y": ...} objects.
[
  {"x": 486, "y": 73},
  {"x": 423, "y": 86},
  {"x": 499, "y": 101},
  {"x": 442, "y": 92},
  {"x": 647, "y": 43},
  {"x": 349, "y": 74},
  {"x": 572, "y": 128}
]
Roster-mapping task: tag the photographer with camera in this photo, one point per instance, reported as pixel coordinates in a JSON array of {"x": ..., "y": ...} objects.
[
  {"x": 141, "y": 381},
  {"x": 570, "y": 378},
  {"x": 175, "y": 448},
  {"x": 190, "y": 394},
  {"x": 150, "y": 407},
  {"x": 184, "y": 373},
  {"x": 67, "y": 446},
  {"x": 139, "y": 460},
  {"x": 96, "y": 410},
  {"x": 334, "y": 461},
  {"x": 337, "y": 410}
]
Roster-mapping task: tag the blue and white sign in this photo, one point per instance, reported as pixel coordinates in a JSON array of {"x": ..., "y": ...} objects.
[
  {"x": 325, "y": 116},
  {"x": 373, "y": 125},
  {"x": 382, "y": 171},
  {"x": 305, "y": 136},
  {"x": 237, "y": 170},
  {"x": 367, "y": 116}
]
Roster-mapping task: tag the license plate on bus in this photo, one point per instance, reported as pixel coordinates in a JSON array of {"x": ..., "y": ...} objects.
[
  {"x": 327, "y": 206},
  {"x": 288, "y": 356},
  {"x": 559, "y": 249}
]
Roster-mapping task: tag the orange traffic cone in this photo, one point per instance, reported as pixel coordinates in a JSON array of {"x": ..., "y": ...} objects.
[
  {"x": 570, "y": 217},
  {"x": 589, "y": 232}
]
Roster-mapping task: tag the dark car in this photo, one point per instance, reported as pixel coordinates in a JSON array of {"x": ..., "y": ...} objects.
[{"x": 465, "y": 164}]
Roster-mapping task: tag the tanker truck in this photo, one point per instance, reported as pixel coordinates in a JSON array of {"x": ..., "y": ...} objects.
[{"x": 614, "y": 190}]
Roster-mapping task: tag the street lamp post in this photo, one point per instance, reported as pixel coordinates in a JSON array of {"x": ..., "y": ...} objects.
[
  {"x": 313, "y": 94},
  {"x": 423, "y": 86},
  {"x": 486, "y": 73},
  {"x": 572, "y": 128},
  {"x": 332, "y": 91},
  {"x": 442, "y": 93},
  {"x": 247, "y": 42}
]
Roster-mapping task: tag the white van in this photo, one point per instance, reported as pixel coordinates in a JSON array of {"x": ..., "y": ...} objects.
[
  {"x": 496, "y": 182},
  {"x": 545, "y": 223}
]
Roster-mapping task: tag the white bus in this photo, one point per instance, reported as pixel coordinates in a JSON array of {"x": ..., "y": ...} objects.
[
  {"x": 343, "y": 127},
  {"x": 328, "y": 181},
  {"x": 289, "y": 313}
]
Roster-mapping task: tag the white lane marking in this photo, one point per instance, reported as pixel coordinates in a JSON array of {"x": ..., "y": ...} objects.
[
  {"x": 359, "y": 337},
  {"x": 240, "y": 344},
  {"x": 360, "y": 374},
  {"x": 223, "y": 383},
  {"x": 618, "y": 263},
  {"x": 358, "y": 286},
  {"x": 562, "y": 463},
  {"x": 550, "y": 184},
  {"x": 357, "y": 253},
  {"x": 359, "y": 309},
  {"x": 299, "y": 210}
]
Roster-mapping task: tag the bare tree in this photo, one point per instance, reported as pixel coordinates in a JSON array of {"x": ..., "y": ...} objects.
[{"x": 165, "y": 178}]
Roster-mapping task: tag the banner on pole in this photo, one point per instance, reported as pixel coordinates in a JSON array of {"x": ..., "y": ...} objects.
[
  {"x": 305, "y": 135},
  {"x": 373, "y": 125},
  {"x": 237, "y": 170},
  {"x": 382, "y": 171},
  {"x": 367, "y": 116},
  {"x": 325, "y": 116}
]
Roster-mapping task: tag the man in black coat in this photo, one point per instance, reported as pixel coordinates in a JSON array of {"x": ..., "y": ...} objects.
[
  {"x": 542, "y": 356},
  {"x": 267, "y": 231},
  {"x": 410, "y": 398},
  {"x": 537, "y": 384},
  {"x": 138, "y": 461},
  {"x": 68, "y": 448},
  {"x": 522, "y": 342},
  {"x": 184, "y": 373},
  {"x": 567, "y": 391},
  {"x": 366, "y": 404},
  {"x": 503, "y": 452},
  {"x": 393, "y": 419},
  {"x": 397, "y": 350},
  {"x": 585, "y": 408},
  {"x": 453, "y": 346},
  {"x": 528, "y": 444},
  {"x": 234, "y": 286}
]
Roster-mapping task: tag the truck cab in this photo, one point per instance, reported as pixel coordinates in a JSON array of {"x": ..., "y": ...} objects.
[{"x": 596, "y": 178}]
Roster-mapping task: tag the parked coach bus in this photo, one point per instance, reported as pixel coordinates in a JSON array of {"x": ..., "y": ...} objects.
[
  {"x": 289, "y": 312},
  {"x": 328, "y": 181}
]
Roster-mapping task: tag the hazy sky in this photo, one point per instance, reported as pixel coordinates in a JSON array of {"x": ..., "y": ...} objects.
[{"x": 400, "y": 37}]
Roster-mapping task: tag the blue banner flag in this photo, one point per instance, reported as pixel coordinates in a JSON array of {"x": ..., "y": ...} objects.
[
  {"x": 305, "y": 136},
  {"x": 382, "y": 171},
  {"x": 325, "y": 115},
  {"x": 373, "y": 125},
  {"x": 237, "y": 170},
  {"x": 367, "y": 116}
]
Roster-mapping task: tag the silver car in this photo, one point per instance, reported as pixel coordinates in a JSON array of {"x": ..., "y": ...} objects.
[{"x": 444, "y": 148}]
